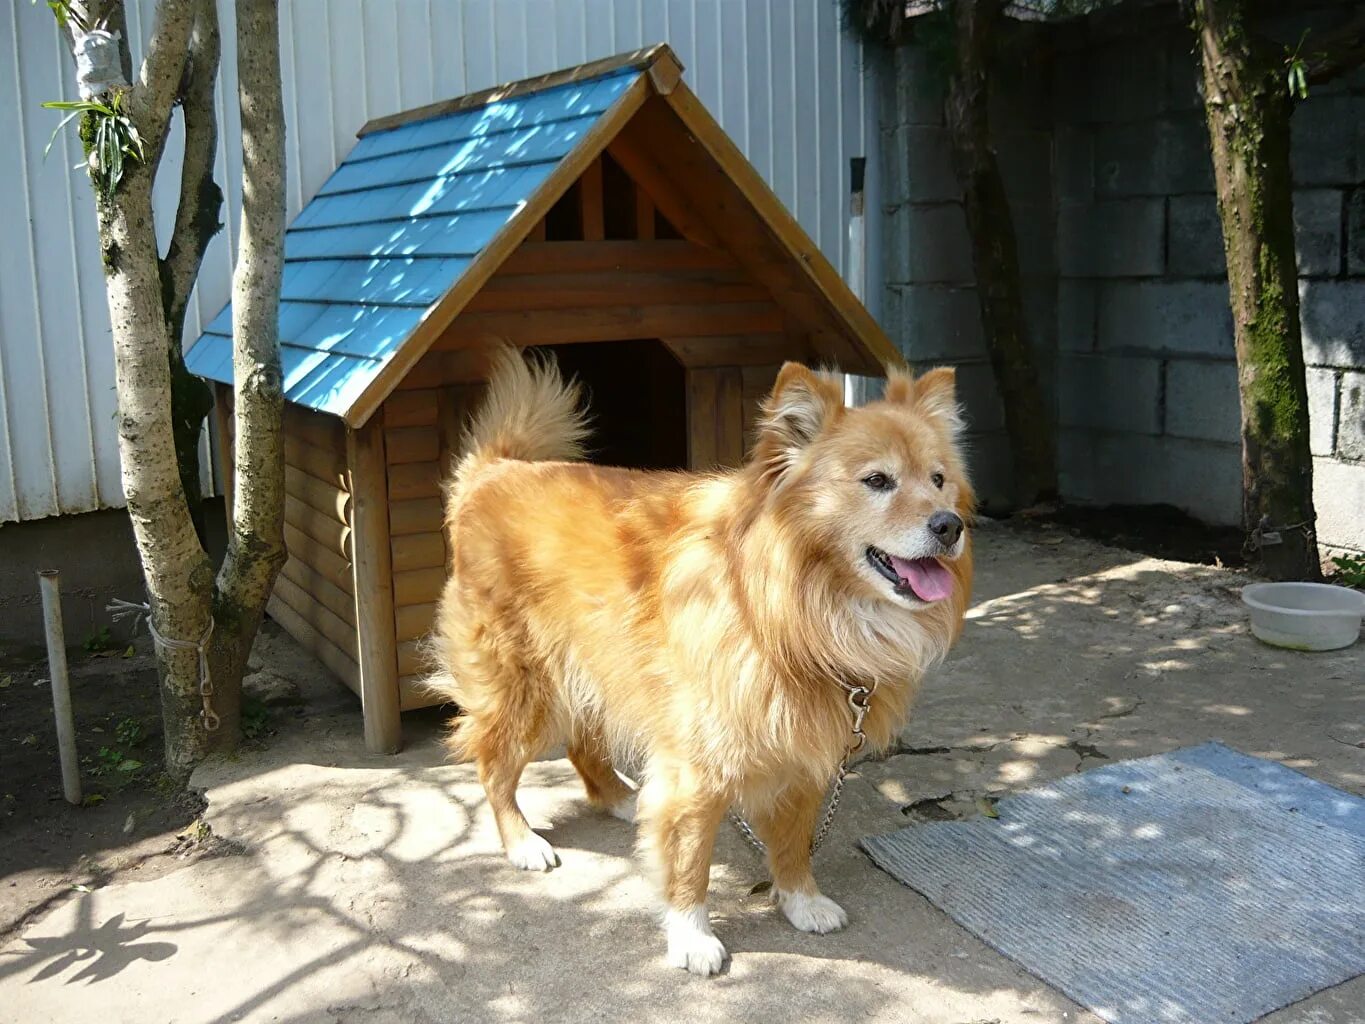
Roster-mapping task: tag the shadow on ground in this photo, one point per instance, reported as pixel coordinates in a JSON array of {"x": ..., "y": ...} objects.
[{"x": 373, "y": 889}]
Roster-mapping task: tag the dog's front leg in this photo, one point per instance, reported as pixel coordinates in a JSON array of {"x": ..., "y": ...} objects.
[
  {"x": 787, "y": 828},
  {"x": 681, "y": 824}
]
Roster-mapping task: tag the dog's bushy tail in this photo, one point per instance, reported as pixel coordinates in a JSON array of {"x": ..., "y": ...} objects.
[{"x": 530, "y": 413}]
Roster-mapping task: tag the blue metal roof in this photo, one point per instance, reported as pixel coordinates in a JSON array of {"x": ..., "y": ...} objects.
[{"x": 394, "y": 228}]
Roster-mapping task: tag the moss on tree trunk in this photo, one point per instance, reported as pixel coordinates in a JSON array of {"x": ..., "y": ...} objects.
[{"x": 1247, "y": 104}]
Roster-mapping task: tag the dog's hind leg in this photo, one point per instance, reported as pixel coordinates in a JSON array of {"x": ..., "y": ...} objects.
[
  {"x": 787, "y": 827},
  {"x": 500, "y": 771},
  {"x": 502, "y": 733},
  {"x": 588, "y": 753}
]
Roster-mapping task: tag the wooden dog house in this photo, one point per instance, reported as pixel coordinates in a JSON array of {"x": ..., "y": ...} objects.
[{"x": 599, "y": 211}]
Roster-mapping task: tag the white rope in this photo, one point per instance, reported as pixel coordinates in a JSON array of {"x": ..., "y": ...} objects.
[{"x": 142, "y": 612}]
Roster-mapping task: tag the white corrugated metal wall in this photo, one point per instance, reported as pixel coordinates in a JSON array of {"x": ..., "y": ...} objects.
[{"x": 780, "y": 76}]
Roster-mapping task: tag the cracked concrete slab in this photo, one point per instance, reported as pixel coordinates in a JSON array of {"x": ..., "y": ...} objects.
[{"x": 372, "y": 888}]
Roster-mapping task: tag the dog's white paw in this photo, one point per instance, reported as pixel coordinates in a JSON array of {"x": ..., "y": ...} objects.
[
  {"x": 624, "y": 809},
  {"x": 691, "y": 943},
  {"x": 532, "y": 854},
  {"x": 813, "y": 912}
]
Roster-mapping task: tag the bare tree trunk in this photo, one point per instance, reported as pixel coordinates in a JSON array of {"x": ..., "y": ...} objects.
[
  {"x": 1247, "y": 104},
  {"x": 177, "y": 573},
  {"x": 995, "y": 257},
  {"x": 196, "y": 222},
  {"x": 147, "y": 300},
  {"x": 255, "y": 525}
]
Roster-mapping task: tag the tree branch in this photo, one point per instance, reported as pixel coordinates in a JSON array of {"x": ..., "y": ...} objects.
[
  {"x": 255, "y": 522},
  {"x": 995, "y": 249},
  {"x": 1337, "y": 52},
  {"x": 149, "y": 101},
  {"x": 201, "y": 200}
]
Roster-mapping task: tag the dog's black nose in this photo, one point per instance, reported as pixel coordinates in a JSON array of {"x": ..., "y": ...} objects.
[{"x": 946, "y": 526}]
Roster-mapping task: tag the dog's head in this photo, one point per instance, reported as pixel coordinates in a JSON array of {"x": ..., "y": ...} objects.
[{"x": 878, "y": 491}]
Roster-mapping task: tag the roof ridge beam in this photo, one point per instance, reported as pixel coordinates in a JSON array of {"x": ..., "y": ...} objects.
[{"x": 659, "y": 60}]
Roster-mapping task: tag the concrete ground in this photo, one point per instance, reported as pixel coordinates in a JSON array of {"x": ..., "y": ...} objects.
[{"x": 364, "y": 888}]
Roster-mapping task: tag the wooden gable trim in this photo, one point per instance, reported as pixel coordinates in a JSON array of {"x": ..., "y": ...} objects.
[
  {"x": 659, "y": 61},
  {"x": 804, "y": 252}
]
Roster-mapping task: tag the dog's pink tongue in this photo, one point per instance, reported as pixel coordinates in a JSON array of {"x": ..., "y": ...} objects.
[{"x": 927, "y": 577}]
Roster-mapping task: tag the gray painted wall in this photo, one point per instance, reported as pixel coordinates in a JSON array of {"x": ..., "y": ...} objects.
[{"x": 1105, "y": 154}]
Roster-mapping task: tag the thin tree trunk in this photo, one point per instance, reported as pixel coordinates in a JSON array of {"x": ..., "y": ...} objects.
[
  {"x": 995, "y": 257},
  {"x": 196, "y": 222},
  {"x": 147, "y": 300},
  {"x": 255, "y": 526},
  {"x": 1247, "y": 104},
  {"x": 176, "y": 571}
]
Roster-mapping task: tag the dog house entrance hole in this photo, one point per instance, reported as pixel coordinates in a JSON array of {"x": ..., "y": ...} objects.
[{"x": 636, "y": 393}]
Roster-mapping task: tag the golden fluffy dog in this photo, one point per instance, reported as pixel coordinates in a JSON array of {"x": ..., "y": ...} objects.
[{"x": 700, "y": 624}]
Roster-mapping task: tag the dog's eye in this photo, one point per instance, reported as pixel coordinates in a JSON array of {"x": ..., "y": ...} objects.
[
  {"x": 879, "y": 482},
  {"x": 937, "y": 478}
]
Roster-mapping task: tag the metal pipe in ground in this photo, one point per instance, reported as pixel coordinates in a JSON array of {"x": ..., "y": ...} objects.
[{"x": 49, "y": 583}]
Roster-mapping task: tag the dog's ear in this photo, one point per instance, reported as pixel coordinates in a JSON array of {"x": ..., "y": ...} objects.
[
  {"x": 900, "y": 386},
  {"x": 801, "y": 405},
  {"x": 934, "y": 394}
]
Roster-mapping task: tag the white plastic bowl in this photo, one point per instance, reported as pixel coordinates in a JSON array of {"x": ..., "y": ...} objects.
[{"x": 1305, "y": 616}]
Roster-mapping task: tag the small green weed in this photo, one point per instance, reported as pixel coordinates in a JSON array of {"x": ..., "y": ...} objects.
[
  {"x": 255, "y": 718},
  {"x": 100, "y": 642},
  {"x": 129, "y": 732},
  {"x": 112, "y": 760},
  {"x": 1350, "y": 571}
]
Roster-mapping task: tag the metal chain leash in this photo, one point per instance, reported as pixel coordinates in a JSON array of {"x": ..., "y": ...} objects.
[
  {"x": 859, "y": 699},
  {"x": 120, "y": 609},
  {"x": 1267, "y": 534}
]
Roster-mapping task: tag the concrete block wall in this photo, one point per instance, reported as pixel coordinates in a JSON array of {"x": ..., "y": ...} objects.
[
  {"x": 1106, "y": 157},
  {"x": 1147, "y": 380},
  {"x": 1147, "y": 392},
  {"x": 929, "y": 305}
]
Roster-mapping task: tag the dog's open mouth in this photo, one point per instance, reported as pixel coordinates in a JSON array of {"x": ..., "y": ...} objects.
[{"x": 925, "y": 578}]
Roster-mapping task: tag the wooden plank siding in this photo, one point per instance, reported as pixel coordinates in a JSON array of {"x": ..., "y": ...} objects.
[
  {"x": 756, "y": 383},
  {"x": 624, "y": 322},
  {"x": 334, "y": 598},
  {"x": 607, "y": 287},
  {"x": 418, "y": 586},
  {"x": 639, "y": 256},
  {"x": 313, "y": 597},
  {"x": 318, "y": 527},
  {"x": 339, "y": 662},
  {"x": 715, "y": 417},
  {"x": 421, "y": 436}
]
